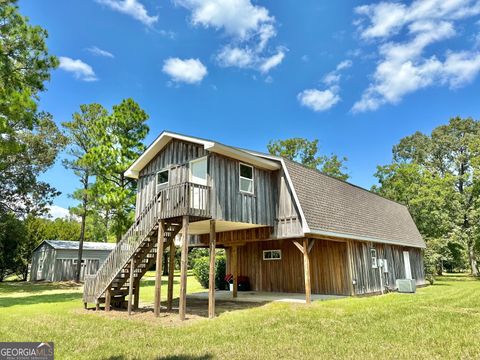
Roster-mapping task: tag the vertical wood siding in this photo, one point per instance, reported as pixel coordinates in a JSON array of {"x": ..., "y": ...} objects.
[
  {"x": 229, "y": 204},
  {"x": 47, "y": 272},
  {"x": 58, "y": 263},
  {"x": 272, "y": 203},
  {"x": 368, "y": 278},
  {"x": 287, "y": 219},
  {"x": 328, "y": 262},
  {"x": 174, "y": 156}
]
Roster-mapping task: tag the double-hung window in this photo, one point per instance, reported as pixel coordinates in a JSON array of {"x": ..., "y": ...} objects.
[{"x": 246, "y": 178}]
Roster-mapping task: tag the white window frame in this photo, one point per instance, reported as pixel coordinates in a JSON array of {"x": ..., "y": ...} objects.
[
  {"x": 190, "y": 175},
  {"x": 241, "y": 177},
  {"x": 373, "y": 256},
  {"x": 272, "y": 251},
  {"x": 156, "y": 178}
]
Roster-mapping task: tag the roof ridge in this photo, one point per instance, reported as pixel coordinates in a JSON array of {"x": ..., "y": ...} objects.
[{"x": 343, "y": 181}]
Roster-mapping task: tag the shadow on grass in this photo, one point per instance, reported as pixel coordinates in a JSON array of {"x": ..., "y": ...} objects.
[
  {"x": 170, "y": 357},
  {"x": 152, "y": 282},
  {"x": 196, "y": 308},
  {"x": 34, "y": 287},
  {"x": 39, "y": 299}
]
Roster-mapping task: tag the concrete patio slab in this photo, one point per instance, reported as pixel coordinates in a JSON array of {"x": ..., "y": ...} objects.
[{"x": 261, "y": 296}]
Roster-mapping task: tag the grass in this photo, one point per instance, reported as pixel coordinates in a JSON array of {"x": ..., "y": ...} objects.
[{"x": 439, "y": 321}]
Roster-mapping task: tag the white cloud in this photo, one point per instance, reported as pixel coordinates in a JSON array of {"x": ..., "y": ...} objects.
[
  {"x": 132, "y": 8},
  {"x": 404, "y": 66},
  {"x": 388, "y": 18},
  {"x": 239, "y": 18},
  {"x": 234, "y": 56},
  {"x": 318, "y": 100},
  {"x": 100, "y": 52},
  {"x": 250, "y": 28},
  {"x": 345, "y": 64},
  {"x": 80, "y": 70},
  {"x": 56, "y": 211},
  {"x": 189, "y": 71},
  {"x": 321, "y": 100},
  {"x": 272, "y": 61}
]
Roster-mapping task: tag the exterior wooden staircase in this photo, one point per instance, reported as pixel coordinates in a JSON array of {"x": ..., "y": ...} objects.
[{"x": 140, "y": 243}]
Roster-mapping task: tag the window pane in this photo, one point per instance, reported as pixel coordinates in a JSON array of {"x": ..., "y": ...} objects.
[
  {"x": 198, "y": 170},
  {"x": 162, "y": 177},
  {"x": 246, "y": 171},
  {"x": 246, "y": 185}
]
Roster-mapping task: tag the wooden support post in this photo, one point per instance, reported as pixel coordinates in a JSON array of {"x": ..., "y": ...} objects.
[
  {"x": 108, "y": 299},
  {"x": 158, "y": 269},
  {"x": 235, "y": 271},
  {"x": 136, "y": 295},
  {"x": 171, "y": 270},
  {"x": 351, "y": 287},
  {"x": 85, "y": 305},
  {"x": 130, "y": 286},
  {"x": 183, "y": 269},
  {"x": 211, "y": 277},
  {"x": 306, "y": 268},
  {"x": 97, "y": 305}
]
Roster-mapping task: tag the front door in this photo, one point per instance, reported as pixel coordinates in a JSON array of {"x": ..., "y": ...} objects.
[{"x": 198, "y": 176}]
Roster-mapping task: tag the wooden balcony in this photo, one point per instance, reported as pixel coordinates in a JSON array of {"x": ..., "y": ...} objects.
[{"x": 184, "y": 199}]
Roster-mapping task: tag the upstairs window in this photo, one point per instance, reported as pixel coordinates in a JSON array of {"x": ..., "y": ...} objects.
[
  {"x": 162, "y": 177},
  {"x": 246, "y": 178}
]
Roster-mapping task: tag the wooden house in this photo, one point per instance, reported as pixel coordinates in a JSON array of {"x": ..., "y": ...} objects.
[
  {"x": 287, "y": 227},
  {"x": 56, "y": 260}
]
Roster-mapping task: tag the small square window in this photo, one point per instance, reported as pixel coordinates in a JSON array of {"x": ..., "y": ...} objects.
[
  {"x": 272, "y": 254},
  {"x": 246, "y": 178},
  {"x": 162, "y": 177}
]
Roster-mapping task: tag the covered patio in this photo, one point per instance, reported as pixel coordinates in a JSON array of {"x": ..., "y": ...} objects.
[{"x": 261, "y": 296}]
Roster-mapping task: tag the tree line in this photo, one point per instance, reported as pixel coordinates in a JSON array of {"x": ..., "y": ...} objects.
[
  {"x": 435, "y": 175},
  {"x": 99, "y": 145}
]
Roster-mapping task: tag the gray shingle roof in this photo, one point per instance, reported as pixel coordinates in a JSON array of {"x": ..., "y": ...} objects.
[
  {"x": 335, "y": 206},
  {"x": 73, "y": 245}
]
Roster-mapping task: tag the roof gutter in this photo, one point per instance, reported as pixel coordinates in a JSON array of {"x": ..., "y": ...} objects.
[{"x": 360, "y": 238}]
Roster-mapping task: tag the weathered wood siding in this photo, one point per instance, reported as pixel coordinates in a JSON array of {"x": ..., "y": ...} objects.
[
  {"x": 271, "y": 204},
  {"x": 48, "y": 254},
  {"x": 174, "y": 156},
  {"x": 287, "y": 216},
  {"x": 230, "y": 204},
  {"x": 368, "y": 279},
  {"x": 64, "y": 268},
  {"x": 58, "y": 263},
  {"x": 328, "y": 267}
]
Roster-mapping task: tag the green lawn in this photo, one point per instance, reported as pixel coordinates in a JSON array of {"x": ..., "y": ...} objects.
[{"x": 440, "y": 321}]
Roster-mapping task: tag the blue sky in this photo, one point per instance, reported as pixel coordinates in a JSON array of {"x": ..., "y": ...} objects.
[{"x": 356, "y": 75}]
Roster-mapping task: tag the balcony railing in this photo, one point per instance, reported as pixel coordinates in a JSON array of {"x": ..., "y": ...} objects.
[{"x": 184, "y": 199}]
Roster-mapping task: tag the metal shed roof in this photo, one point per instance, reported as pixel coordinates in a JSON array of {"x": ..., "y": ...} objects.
[{"x": 73, "y": 245}]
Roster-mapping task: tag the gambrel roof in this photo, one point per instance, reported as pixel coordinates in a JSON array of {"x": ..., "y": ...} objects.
[
  {"x": 328, "y": 206},
  {"x": 333, "y": 207}
]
